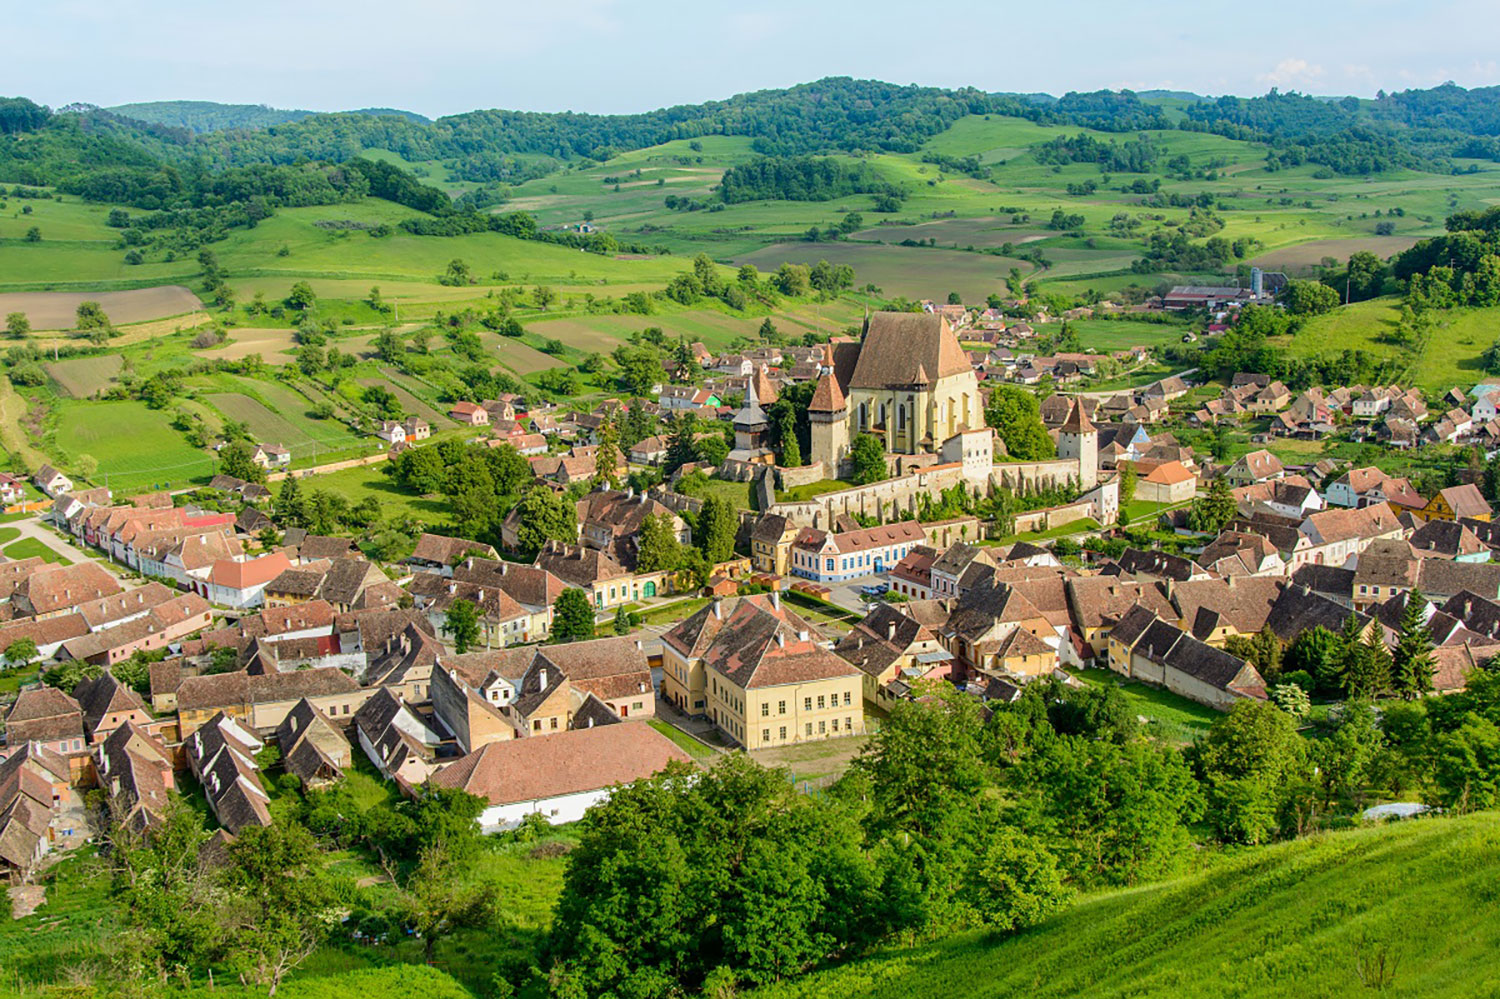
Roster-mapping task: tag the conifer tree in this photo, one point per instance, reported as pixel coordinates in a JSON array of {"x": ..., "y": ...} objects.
[{"x": 1412, "y": 664}]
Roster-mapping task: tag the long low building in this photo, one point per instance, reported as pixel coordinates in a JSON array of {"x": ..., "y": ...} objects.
[{"x": 559, "y": 777}]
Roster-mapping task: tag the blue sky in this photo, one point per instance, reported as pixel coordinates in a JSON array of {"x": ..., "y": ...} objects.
[{"x": 446, "y": 56}]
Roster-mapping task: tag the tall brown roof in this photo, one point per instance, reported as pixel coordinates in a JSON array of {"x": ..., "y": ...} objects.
[
  {"x": 901, "y": 348},
  {"x": 827, "y": 397},
  {"x": 1078, "y": 421}
]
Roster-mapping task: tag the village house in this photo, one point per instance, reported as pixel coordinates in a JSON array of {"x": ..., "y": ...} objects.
[
  {"x": 1144, "y": 647},
  {"x": 1455, "y": 503},
  {"x": 221, "y": 754},
  {"x": 893, "y": 650},
  {"x": 1169, "y": 482},
  {"x": 313, "y": 749},
  {"x": 831, "y": 558},
  {"x": 271, "y": 456},
  {"x": 241, "y": 584},
  {"x": 52, "y": 482},
  {"x": 771, "y": 544},
  {"x": 1257, "y": 466},
  {"x": 469, "y": 414},
  {"x": 396, "y": 740},
  {"x": 134, "y": 770},
  {"x": 558, "y": 778},
  {"x": 40, "y": 810}
]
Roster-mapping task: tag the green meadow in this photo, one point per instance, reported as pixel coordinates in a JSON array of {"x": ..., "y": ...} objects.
[{"x": 1314, "y": 917}]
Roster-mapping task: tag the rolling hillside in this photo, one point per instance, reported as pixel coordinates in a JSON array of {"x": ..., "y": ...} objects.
[{"x": 1309, "y": 919}]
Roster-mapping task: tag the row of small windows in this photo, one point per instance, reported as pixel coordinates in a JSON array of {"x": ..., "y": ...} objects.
[{"x": 823, "y": 729}]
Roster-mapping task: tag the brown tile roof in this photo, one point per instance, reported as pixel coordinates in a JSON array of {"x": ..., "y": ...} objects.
[
  {"x": 103, "y": 695},
  {"x": 106, "y": 610},
  {"x": 827, "y": 397},
  {"x": 1466, "y": 500},
  {"x": 444, "y": 550},
  {"x": 45, "y": 632},
  {"x": 906, "y": 348},
  {"x": 43, "y": 714},
  {"x": 63, "y": 587},
  {"x": 565, "y": 763}
]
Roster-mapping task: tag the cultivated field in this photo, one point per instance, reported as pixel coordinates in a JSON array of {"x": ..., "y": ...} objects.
[
  {"x": 1303, "y": 257},
  {"x": 519, "y": 357},
  {"x": 282, "y": 418},
  {"x": 980, "y": 232},
  {"x": 273, "y": 346},
  {"x": 413, "y": 405},
  {"x": 56, "y": 310},
  {"x": 81, "y": 377}
]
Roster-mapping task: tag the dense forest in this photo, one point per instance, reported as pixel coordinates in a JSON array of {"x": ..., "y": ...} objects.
[
  {"x": 208, "y": 116},
  {"x": 800, "y": 178}
]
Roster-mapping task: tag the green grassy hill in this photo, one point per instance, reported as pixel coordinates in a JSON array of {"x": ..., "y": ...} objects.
[
  {"x": 1448, "y": 357},
  {"x": 1298, "y": 919}
]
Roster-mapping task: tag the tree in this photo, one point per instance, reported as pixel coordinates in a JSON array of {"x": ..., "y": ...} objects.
[
  {"x": 1467, "y": 765},
  {"x": 284, "y": 902},
  {"x": 462, "y": 624},
  {"x": 1412, "y": 664},
  {"x": 1309, "y": 298},
  {"x": 543, "y": 296},
  {"x": 17, "y": 325},
  {"x": 791, "y": 451},
  {"x": 717, "y": 525},
  {"x": 1116, "y": 813},
  {"x": 544, "y": 516},
  {"x": 1016, "y": 416},
  {"x": 572, "y": 616},
  {"x": 20, "y": 653},
  {"x": 1212, "y": 512},
  {"x": 91, "y": 316},
  {"x": 440, "y": 896},
  {"x": 606, "y": 458},
  {"x": 301, "y": 297},
  {"x": 657, "y": 547},
  {"x": 291, "y": 509},
  {"x": 1249, "y": 763},
  {"x": 235, "y": 460},
  {"x": 1016, "y": 882},
  {"x": 1347, "y": 756},
  {"x": 682, "y": 444},
  {"x": 1316, "y": 653},
  {"x": 1127, "y": 482},
  {"x": 867, "y": 457},
  {"x": 34, "y": 234}
]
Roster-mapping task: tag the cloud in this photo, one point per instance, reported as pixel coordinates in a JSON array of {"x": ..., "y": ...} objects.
[{"x": 1293, "y": 72}]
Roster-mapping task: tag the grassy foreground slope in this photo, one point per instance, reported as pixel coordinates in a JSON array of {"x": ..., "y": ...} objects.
[{"x": 1296, "y": 919}]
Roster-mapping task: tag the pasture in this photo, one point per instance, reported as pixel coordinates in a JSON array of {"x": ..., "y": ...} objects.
[
  {"x": 135, "y": 446},
  {"x": 519, "y": 357},
  {"x": 277, "y": 414},
  {"x": 355, "y": 484},
  {"x": 1121, "y": 334},
  {"x": 56, "y": 310},
  {"x": 1450, "y": 355},
  {"x": 81, "y": 377}
]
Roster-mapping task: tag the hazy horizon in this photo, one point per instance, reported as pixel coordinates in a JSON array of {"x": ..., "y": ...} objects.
[{"x": 604, "y": 56}]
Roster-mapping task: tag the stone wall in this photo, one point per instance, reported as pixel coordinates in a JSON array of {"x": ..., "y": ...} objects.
[
  {"x": 883, "y": 500},
  {"x": 802, "y": 475}
]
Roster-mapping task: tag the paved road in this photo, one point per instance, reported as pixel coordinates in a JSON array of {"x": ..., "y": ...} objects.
[{"x": 31, "y": 527}]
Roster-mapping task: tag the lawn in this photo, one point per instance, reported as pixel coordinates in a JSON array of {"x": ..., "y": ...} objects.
[
  {"x": 900, "y": 270},
  {"x": 1169, "y": 717},
  {"x": 811, "y": 489},
  {"x": 737, "y": 493},
  {"x": 1106, "y": 335},
  {"x": 1060, "y": 531},
  {"x": 694, "y": 747},
  {"x": 135, "y": 446},
  {"x": 355, "y": 484},
  {"x": 32, "y": 548}
]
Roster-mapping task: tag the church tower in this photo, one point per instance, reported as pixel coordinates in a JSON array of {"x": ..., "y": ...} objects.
[
  {"x": 1078, "y": 439},
  {"x": 828, "y": 414}
]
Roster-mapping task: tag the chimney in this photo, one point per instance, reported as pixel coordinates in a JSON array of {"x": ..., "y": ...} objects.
[
  {"x": 803, "y": 636},
  {"x": 718, "y": 610},
  {"x": 541, "y": 676},
  {"x": 479, "y": 597},
  {"x": 780, "y": 640},
  {"x": 638, "y": 645},
  {"x": 776, "y": 599},
  {"x": 1231, "y": 582},
  {"x": 452, "y": 588}
]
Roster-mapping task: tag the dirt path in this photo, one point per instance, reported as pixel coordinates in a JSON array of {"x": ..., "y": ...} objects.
[{"x": 12, "y": 409}]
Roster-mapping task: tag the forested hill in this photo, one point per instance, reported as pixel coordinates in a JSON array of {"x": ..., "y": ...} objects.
[
  {"x": 1418, "y": 129},
  {"x": 210, "y": 116}
]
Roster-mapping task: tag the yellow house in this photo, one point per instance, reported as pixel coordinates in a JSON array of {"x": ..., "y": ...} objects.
[
  {"x": 758, "y": 672},
  {"x": 771, "y": 544},
  {"x": 1457, "y": 503}
]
